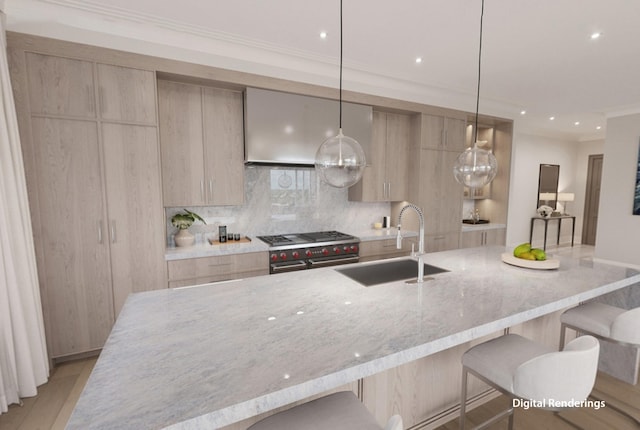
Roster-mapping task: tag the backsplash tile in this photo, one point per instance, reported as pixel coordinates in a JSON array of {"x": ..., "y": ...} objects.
[{"x": 284, "y": 200}]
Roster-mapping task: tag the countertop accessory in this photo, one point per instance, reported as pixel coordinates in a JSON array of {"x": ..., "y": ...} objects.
[
  {"x": 182, "y": 221},
  {"x": 548, "y": 264},
  {"x": 340, "y": 160},
  {"x": 222, "y": 233},
  {"x": 476, "y": 167}
]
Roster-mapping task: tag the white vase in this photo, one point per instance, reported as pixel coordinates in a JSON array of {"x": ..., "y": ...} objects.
[{"x": 184, "y": 238}]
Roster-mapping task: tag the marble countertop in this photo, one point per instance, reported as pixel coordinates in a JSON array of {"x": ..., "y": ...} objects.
[
  {"x": 256, "y": 245},
  {"x": 208, "y": 356}
]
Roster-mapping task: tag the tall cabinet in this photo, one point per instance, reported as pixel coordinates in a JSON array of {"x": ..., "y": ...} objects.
[
  {"x": 90, "y": 143},
  {"x": 436, "y": 144}
]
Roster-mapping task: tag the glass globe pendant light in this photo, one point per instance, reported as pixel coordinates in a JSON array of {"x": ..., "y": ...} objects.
[
  {"x": 476, "y": 167},
  {"x": 340, "y": 160}
]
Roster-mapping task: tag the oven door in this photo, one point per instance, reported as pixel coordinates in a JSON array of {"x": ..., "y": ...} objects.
[
  {"x": 324, "y": 262},
  {"x": 287, "y": 267}
]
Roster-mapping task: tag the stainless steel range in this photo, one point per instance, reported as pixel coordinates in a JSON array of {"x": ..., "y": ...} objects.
[{"x": 299, "y": 251}]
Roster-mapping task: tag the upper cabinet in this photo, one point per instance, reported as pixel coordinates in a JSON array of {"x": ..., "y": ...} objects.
[
  {"x": 60, "y": 86},
  {"x": 386, "y": 177},
  {"x": 201, "y": 140},
  {"x": 440, "y": 132},
  {"x": 126, "y": 94}
]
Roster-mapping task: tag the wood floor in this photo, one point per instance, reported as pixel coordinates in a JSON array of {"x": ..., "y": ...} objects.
[{"x": 51, "y": 408}]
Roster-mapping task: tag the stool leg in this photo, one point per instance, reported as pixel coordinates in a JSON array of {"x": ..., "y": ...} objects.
[
  {"x": 463, "y": 398},
  {"x": 563, "y": 330}
]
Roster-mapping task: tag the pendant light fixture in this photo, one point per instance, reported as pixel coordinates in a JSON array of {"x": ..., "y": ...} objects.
[
  {"x": 340, "y": 160},
  {"x": 476, "y": 167}
]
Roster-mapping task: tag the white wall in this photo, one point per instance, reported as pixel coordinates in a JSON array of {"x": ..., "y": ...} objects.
[
  {"x": 618, "y": 230},
  {"x": 528, "y": 153}
]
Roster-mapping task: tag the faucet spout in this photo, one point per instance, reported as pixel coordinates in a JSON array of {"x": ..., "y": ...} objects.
[{"x": 421, "y": 238}]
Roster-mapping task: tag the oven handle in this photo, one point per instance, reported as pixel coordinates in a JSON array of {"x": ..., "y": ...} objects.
[
  {"x": 288, "y": 267},
  {"x": 334, "y": 261}
]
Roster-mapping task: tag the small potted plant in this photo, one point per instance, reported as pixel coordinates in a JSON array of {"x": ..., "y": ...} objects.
[{"x": 182, "y": 221}]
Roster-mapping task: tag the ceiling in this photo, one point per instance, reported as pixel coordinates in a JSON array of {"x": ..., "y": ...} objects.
[{"x": 537, "y": 56}]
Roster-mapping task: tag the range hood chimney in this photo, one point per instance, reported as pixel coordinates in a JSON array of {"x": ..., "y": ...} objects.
[{"x": 287, "y": 129}]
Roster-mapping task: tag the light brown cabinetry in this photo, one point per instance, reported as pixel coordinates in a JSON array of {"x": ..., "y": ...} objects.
[
  {"x": 481, "y": 237},
  {"x": 386, "y": 248},
  {"x": 195, "y": 271},
  {"x": 385, "y": 178},
  {"x": 442, "y": 132},
  {"x": 201, "y": 138},
  {"x": 94, "y": 186}
]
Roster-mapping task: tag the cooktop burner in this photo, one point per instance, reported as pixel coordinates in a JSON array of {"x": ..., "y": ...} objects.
[{"x": 323, "y": 236}]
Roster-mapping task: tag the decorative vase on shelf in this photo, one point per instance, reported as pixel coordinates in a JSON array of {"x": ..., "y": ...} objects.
[{"x": 184, "y": 238}]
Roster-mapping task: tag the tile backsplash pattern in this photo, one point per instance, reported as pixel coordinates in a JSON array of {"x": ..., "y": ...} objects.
[{"x": 284, "y": 200}]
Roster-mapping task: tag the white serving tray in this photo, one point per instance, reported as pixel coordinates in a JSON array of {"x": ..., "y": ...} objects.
[{"x": 548, "y": 264}]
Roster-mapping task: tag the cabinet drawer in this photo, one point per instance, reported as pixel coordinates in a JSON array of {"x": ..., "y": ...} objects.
[
  {"x": 213, "y": 267},
  {"x": 379, "y": 249},
  {"x": 441, "y": 242}
]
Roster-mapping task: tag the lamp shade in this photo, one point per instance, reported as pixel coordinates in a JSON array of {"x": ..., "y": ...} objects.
[
  {"x": 547, "y": 196},
  {"x": 566, "y": 197},
  {"x": 475, "y": 167},
  {"x": 340, "y": 161}
]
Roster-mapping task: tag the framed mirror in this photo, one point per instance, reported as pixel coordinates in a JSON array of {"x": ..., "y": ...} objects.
[{"x": 548, "y": 185}]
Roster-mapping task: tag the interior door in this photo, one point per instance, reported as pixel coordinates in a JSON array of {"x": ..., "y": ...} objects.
[{"x": 592, "y": 199}]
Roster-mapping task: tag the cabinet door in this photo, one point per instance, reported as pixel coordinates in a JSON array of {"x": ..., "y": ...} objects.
[
  {"x": 136, "y": 216},
  {"x": 471, "y": 239},
  {"x": 397, "y": 156},
  {"x": 443, "y": 133},
  {"x": 60, "y": 86},
  {"x": 223, "y": 146},
  {"x": 442, "y": 194},
  {"x": 373, "y": 187},
  {"x": 74, "y": 269},
  {"x": 126, "y": 94},
  {"x": 181, "y": 137}
]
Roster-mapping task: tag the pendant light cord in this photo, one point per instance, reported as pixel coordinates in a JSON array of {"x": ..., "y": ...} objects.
[
  {"x": 340, "y": 121},
  {"x": 479, "y": 68}
]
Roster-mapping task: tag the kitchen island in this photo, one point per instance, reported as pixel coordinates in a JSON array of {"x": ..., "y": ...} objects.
[{"x": 213, "y": 355}]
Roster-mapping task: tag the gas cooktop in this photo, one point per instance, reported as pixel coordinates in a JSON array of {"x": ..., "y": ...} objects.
[{"x": 306, "y": 238}]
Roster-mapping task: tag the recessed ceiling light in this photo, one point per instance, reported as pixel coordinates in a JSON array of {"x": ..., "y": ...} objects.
[
  {"x": 551, "y": 118},
  {"x": 523, "y": 112},
  {"x": 419, "y": 60},
  {"x": 596, "y": 35},
  {"x": 323, "y": 35},
  {"x": 576, "y": 123},
  {"x": 598, "y": 127}
]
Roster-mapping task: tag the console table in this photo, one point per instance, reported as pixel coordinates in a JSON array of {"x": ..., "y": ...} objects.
[{"x": 546, "y": 225}]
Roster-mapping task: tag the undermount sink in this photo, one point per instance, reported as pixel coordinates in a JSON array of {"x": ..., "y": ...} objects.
[
  {"x": 475, "y": 221},
  {"x": 387, "y": 271}
]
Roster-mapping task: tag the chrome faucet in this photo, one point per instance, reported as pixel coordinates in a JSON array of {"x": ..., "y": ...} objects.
[{"x": 421, "y": 238}]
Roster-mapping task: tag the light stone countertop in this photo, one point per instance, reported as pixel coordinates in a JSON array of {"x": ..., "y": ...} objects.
[
  {"x": 208, "y": 356},
  {"x": 256, "y": 245}
]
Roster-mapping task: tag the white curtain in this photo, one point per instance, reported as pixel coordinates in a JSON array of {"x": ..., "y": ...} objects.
[{"x": 23, "y": 356}]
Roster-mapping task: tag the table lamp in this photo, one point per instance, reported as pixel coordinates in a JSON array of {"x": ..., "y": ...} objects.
[{"x": 565, "y": 197}]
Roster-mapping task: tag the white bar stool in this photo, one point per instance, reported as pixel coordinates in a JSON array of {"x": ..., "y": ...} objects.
[
  {"x": 604, "y": 322},
  {"x": 523, "y": 369},
  {"x": 338, "y": 411}
]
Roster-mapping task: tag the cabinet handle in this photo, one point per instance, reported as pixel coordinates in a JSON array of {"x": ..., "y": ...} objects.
[
  {"x": 389, "y": 190},
  {"x": 445, "y": 139},
  {"x": 438, "y": 238},
  {"x": 113, "y": 231},
  {"x": 210, "y": 190},
  {"x": 100, "y": 232},
  {"x": 202, "y": 197}
]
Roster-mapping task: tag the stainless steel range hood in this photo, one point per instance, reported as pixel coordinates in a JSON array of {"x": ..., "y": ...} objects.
[{"x": 287, "y": 129}]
